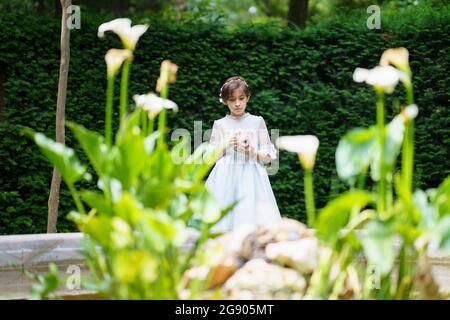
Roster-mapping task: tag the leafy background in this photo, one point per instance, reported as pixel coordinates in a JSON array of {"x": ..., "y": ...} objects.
[{"x": 301, "y": 82}]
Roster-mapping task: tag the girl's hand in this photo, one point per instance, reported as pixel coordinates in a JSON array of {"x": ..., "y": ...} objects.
[
  {"x": 233, "y": 143},
  {"x": 246, "y": 149}
]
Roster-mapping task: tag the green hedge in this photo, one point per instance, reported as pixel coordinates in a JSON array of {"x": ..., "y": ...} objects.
[{"x": 302, "y": 84}]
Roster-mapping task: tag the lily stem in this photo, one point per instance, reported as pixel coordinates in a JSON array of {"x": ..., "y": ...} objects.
[
  {"x": 108, "y": 111},
  {"x": 124, "y": 89},
  {"x": 381, "y": 200},
  {"x": 309, "y": 198}
]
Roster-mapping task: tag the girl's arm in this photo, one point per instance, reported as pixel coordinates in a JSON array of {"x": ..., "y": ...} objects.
[{"x": 266, "y": 152}]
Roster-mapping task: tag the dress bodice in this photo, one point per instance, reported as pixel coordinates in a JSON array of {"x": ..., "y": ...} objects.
[{"x": 248, "y": 128}]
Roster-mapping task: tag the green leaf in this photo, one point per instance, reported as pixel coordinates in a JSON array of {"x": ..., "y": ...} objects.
[
  {"x": 427, "y": 211},
  {"x": 378, "y": 244},
  {"x": 442, "y": 198},
  {"x": 206, "y": 207},
  {"x": 443, "y": 231},
  {"x": 93, "y": 145},
  {"x": 99, "y": 228},
  {"x": 47, "y": 283},
  {"x": 161, "y": 230},
  {"x": 354, "y": 153},
  {"x": 392, "y": 146},
  {"x": 128, "y": 125},
  {"x": 336, "y": 214},
  {"x": 96, "y": 201},
  {"x": 197, "y": 165},
  {"x": 129, "y": 158},
  {"x": 63, "y": 158},
  {"x": 155, "y": 193},
  {"x": 150, "y": 142},
  {"x": 129, "y": 209},
  {"x": 135, "y": 266}
]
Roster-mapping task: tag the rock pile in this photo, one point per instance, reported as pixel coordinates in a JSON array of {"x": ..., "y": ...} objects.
[{"x": 270, "y": 262}]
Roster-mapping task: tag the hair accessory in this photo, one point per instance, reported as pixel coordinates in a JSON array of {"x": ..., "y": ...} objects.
[{"x": 227, "y": 82}]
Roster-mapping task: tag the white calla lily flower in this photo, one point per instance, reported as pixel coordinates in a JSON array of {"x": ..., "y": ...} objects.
[
  {"x": 410, "y": 112},
  {"x": 384, "y": 77},
  {"x": 114, "y": 59},
  {"x": 153, "y": 104},
  {"x": 122, "y": 27},
  {"x": 399, "y": 57},
  {"x": 304, "y": 145}
]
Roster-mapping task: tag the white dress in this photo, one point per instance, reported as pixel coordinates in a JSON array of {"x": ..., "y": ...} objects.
[{"x": 237, "y": 176}]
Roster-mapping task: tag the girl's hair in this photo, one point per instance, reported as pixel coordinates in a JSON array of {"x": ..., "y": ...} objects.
[{"x": 232, "y": 84}]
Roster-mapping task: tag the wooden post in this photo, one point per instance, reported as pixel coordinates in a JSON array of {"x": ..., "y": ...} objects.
[{"x": 53, "y": 199}]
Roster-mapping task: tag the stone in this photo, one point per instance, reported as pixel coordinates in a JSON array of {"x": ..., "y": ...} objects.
[
  {"x": 254, "y": 244},
  {"x": 301, "y": 255},
  {"x": 258, "y": 279}
]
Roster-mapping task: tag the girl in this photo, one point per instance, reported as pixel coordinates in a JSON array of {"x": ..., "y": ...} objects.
[{"x": 239, "y": 173}]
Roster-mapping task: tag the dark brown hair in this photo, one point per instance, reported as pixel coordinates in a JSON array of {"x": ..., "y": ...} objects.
[{"x": 232, "y": 84}]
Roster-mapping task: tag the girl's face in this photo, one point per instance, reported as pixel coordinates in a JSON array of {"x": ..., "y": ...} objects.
[{"x": 237, "y": 102}]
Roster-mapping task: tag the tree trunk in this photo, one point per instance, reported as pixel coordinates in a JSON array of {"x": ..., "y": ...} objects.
[
  {"x": 40, "y": 6},
  {"x": 60, "y": 114},
  {"x": 298, "y": 12}
]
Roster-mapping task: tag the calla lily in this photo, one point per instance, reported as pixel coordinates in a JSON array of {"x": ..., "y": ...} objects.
[
  {"x": 398, "y": 57},
  {"x": 381, "y": 77},
  {"x": 304, "y": 145},
  {"x": 153, "y": 104},
  {"x": 114, "y": 59},
  {"x": 409, "y": 113},
  {"x": 168, "y": 74},
  {"x": 122, "y": 27}
]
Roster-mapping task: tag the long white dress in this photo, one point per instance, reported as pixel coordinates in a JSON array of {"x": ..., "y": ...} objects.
[{"x": 237, "y": 176}]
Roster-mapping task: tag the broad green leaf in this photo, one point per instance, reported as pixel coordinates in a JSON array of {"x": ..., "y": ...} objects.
[
  {"x": 129, "y": 209},
  {"x": 155, "y": 193},
  {"x": 78, "y": 218},
  {"x": 63, "y": 158},
  {"x": 442, "y": 197},
  {"x": 162, "y": 165},
  {"x": 97, "y": 201},
  {"x": 162, "y": 231},
  {"x": 121, "y": 233},
  {"x": 131, "y": 122},
  {"x": 93, "y": 145},
  {"x": 378, "y": 244},
  {"x": 444, "y": 233},
  {"x": 99, "y": 228},
  {"x": 354, "y": 153},
  {"x": 150, "y": 142},
  {"x": 434, "y": 227},
  {"x": 201, "y": 161},
  {"x": 128, "y": 155},
  {"x": 206, "y": 207},
  {"x": 129, "y": 158},
  {"x": 137, "y": 266},
  {"x": 428, "y": 213},
  {"x": 179, "y": 206},
  {"x": 110, "y": 233},
  {"x": 392, "y": 146},
  {"x": 335, "y": 215},
  {"x": 47, "y": 284}
]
